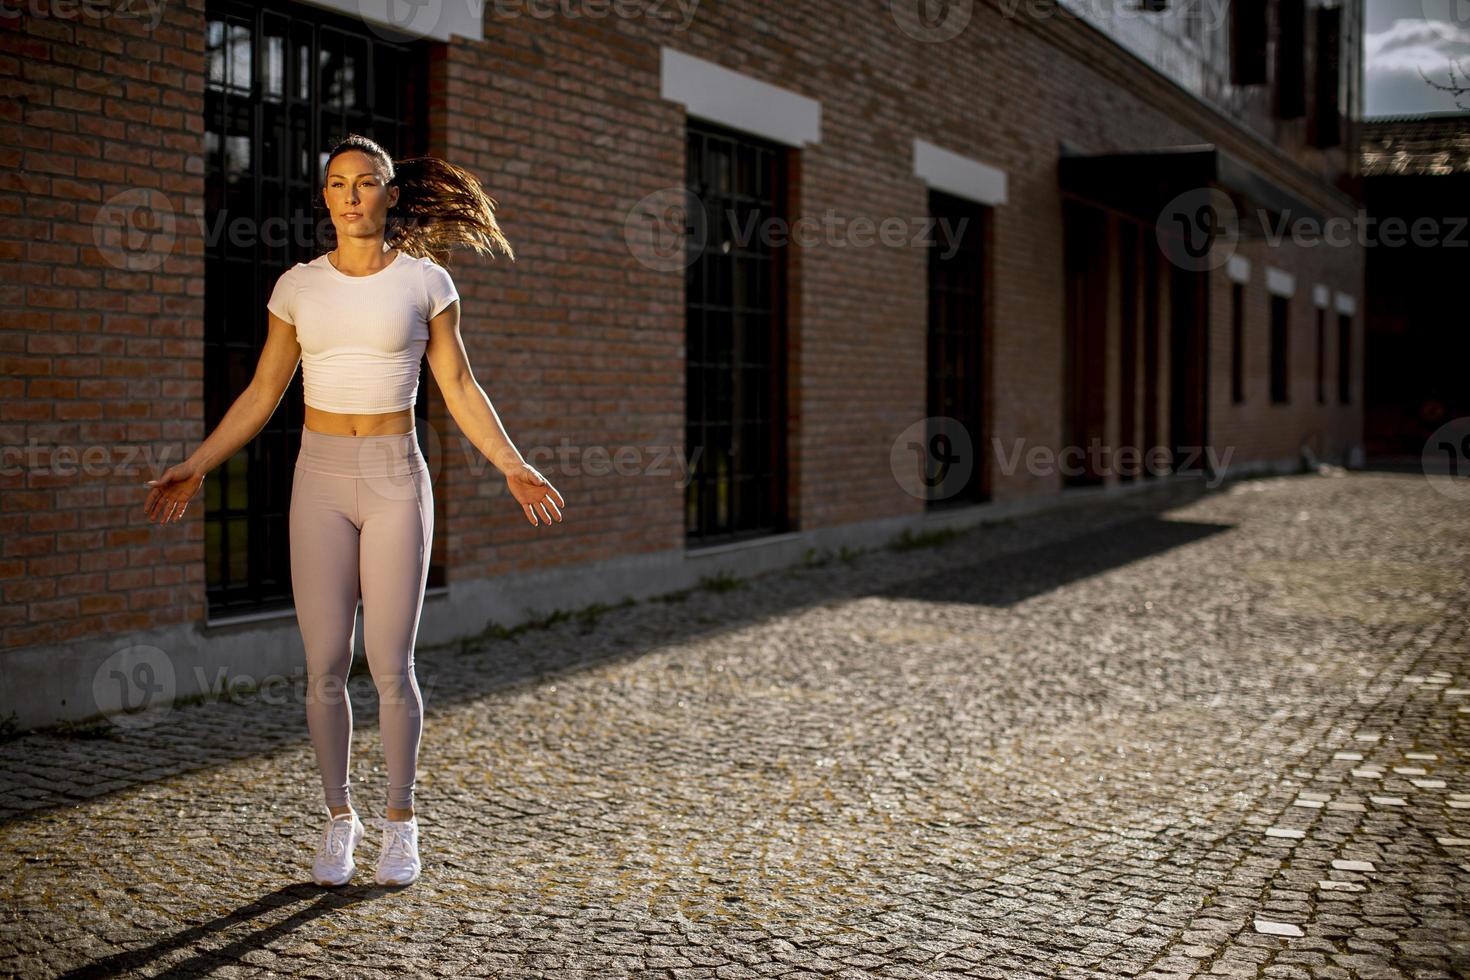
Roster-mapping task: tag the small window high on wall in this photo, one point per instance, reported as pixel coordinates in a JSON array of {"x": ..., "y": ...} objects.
[
  {"x": 1291, "y": 42},
  {"x": 1280, "y": 346},
  {"x": 1248, "y": 42},
  {"x": 1326, "y": 110}
]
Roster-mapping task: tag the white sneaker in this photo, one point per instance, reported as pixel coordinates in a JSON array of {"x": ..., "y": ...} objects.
[
  {"x": 334, "y": 864},
  {"x": 398, "y": 862}
]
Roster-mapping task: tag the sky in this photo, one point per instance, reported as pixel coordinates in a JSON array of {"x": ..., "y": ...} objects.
[{"x": 1405, "y": 35}]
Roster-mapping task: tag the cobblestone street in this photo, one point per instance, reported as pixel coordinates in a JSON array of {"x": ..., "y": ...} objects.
[{"x": 1218, "y": 734}]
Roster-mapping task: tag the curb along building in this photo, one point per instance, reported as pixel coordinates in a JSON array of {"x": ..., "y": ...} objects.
[{"x": 989, "y": 252}]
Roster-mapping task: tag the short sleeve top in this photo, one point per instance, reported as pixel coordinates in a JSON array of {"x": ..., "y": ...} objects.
[{"x": 362, "y": 337}]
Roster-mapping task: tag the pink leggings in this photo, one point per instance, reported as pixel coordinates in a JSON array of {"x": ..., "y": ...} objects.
[{"x": 361, "y": 523}]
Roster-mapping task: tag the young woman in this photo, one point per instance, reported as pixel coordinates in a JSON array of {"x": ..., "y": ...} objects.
[{"x": 361, "y": 317}]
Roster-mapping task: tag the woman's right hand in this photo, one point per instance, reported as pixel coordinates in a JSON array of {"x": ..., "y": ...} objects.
[{"x": 172, "y": 491}]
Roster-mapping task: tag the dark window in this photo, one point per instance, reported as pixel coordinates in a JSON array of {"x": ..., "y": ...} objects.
[
  {"x": 1237, "y": 342},
  {"x": 1248, "y": 42},
  {"x": 1151, "y": 285},
  {"x": 1291, "y": 42},
  {"x": 1086, "y": 254},
  {"x": 282, "y": 81},
  {"x": 1321, "y": 356},
  {"x": 1130, "y": 240},
  {"x": 1344, "y": 358},
  {"x": 956, "y": 349},
  {"x": 1280, "y": 310},
  {"x": 735, "y": 410},
  {"x": 1326, "y": 112}
]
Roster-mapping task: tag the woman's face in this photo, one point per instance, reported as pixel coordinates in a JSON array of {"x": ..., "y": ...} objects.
[{"x": 357, "y": 196}]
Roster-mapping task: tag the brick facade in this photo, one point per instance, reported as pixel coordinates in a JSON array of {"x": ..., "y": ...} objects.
[{"x": 562, "y": 120}]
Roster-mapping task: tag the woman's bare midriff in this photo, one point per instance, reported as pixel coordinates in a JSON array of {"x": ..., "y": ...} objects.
[{"x": 338, "y": 424}]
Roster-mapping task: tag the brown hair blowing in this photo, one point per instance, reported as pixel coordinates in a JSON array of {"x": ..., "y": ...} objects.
[{"x": 440, "y": 206}]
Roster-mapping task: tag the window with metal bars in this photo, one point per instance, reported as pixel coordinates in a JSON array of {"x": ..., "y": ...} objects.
[
  {"x": 1280, "y": 347},
  {"x": 1326, "y": 108},
  {"x": 1248, "y": 30},
  {"x": 283, "y": 82},
  {"x": 735, "y": 394},
  {"x": 956, "y": 349},
  {"x": 1321, "y": 356},
  {"x": 1237, "y": 343},
  {"x": 1291, "y": 55}
]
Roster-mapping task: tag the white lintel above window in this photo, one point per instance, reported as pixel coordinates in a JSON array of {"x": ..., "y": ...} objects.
[
  {"x": 1321, "y": 295},
  {"x": 1346, "y": 304},
  {"x": 1279, "y": 282},
  {"x": 436, "y": 21},
  {"x": 712, "y": 91},
  {"x": 1239, "y": 268},
  {"x": 959, "y": 175}
]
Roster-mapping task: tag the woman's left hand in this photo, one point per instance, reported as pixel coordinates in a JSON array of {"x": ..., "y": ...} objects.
[{"x": 533, "y": 490}]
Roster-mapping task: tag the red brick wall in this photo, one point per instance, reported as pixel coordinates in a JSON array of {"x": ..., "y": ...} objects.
[
  {"x": 103, "y": 361},
  {"x": 563, "y": 121}
]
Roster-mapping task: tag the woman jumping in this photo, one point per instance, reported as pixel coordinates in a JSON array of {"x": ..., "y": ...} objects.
[{"x": 360, "y": 318}]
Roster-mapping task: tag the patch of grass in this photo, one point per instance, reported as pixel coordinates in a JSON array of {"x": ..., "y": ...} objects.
[
  {"x": 586, "y": 618},
  {"x": 908, "y": 540},
  {"x": 722, "y": 582}
]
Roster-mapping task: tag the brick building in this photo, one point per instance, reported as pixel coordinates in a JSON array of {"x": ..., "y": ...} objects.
[
  {"x": 980, "y": 240},
  {"x": 1416, "y": 184}
]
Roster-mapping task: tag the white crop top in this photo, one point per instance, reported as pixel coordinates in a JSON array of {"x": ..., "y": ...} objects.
[{"x": 362, "y": 337}]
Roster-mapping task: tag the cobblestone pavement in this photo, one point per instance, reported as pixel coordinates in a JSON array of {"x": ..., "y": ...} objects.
[{"x": 1219, "y": 734}]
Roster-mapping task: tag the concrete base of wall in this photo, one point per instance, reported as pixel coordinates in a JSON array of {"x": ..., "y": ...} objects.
[{"x": 150, "y": 670}]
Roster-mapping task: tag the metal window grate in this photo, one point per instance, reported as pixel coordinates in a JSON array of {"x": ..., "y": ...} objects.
[
  {"x": 282, "y": 82},
  {"x": 735, "y": 395},
  {"x": 956, "y": 346}
]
